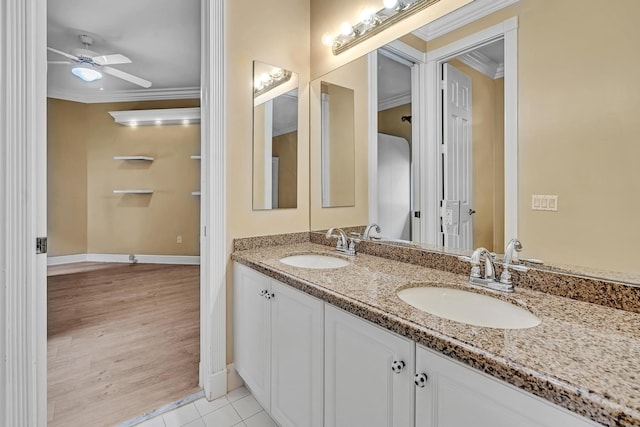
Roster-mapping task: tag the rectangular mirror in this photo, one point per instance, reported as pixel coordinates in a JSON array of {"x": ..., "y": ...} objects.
[
  {"x": 579, "y": 154},
  {"x": 275, "y": 137},
  {"x": 337, "y": 145}
]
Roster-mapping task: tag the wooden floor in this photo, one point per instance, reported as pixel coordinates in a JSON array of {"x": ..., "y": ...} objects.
[{"x": 123, "y": 339}]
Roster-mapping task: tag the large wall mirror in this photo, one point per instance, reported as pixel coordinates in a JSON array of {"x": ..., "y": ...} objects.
[
  {"x": 514, "y": 129},
  {"x": 275, "y": 137}
]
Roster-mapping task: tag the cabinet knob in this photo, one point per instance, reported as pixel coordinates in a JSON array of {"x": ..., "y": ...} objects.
[
  {"x": 397, "y": 366},
  {"x": 421, "y": 379},
  {"x": 263, "y": 292},
  {"x": 269, "y": 295}
]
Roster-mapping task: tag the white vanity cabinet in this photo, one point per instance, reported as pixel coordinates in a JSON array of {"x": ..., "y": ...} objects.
[
  {"x": 450, "y": 394},
  {"x": 368, "y": 374},
  {"x": 278, "y": 347}
]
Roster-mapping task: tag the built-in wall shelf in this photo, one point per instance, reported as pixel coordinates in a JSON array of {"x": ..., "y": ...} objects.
[
  {"x": 143, "y": 158},
  {"x": 195, "y": 193},
  {"x": 166, "y": 116},
  {"x": 196, "y": 157},
  {"x": 143, "y": 191}
]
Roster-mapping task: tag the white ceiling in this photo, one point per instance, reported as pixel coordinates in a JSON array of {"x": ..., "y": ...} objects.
[
  {"x": 394, "y": 83},
  {"x": 161, "y": 37}
]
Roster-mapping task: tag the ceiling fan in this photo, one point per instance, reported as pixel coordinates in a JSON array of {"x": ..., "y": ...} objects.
[{"x": 90, "y": 64}]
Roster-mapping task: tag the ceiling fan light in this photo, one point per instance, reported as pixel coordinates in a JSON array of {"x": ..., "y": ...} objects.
[{"x": 86, "y": 74}]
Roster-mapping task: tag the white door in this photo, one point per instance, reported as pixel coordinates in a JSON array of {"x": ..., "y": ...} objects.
[
  {"x": 361, "y": 388},
  {"x": 457, "y": 151},
  {"x": 455, "y": 395},
  {"x": 297, "y": 357},
  {"x": 252, "y": 330}
]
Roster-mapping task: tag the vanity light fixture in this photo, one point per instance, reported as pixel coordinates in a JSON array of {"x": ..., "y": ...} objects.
[
  {"x": 166, "y": 116},
  {"x": 372, "y": 23},
  {"x": 266, "y": 82}
]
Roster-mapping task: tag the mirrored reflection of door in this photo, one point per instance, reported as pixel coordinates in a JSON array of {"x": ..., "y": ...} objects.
[{"x": 457, "y": 203}]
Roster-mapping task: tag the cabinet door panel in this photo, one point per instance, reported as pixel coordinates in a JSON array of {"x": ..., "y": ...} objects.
[
  {"x": 252, "y": 331},
  {"x": 456, "y": 395},
  {"x": 297, "y": 357},
  {"x": 360, "y": 387}
]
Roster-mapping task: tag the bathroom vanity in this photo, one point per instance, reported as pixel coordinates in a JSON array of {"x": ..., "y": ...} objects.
[{"x": 338, "y": 347}]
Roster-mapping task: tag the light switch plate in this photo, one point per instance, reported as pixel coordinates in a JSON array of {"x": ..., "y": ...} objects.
[{"x": 542, "y": 202}]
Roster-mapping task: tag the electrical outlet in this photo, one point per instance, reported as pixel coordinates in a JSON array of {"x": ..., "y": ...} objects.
[
  {"x": 179, "y": 238},
  {"x": 541, "y": 202}
]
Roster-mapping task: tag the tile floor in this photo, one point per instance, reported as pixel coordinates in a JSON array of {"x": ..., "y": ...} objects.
[{"x": 236, "y": 409}]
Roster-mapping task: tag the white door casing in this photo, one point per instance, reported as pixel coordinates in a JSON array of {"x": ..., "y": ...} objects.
[
  {"x": 431, "y": 180},
  {"x": 23, "y": 293},
  {"x": 23, "y": 328},
  {"x": 457, "y": 153}
]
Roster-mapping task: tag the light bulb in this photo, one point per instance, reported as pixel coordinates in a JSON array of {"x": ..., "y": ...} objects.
[
  {"x": 366, "y": 15},
  {"x": 265, "y": 78},
  {"x": 327, "y": 39},
  {"x": 346, "y": 29},
  {"x": 86, "y": 74},
  {"x": 390, "y": 4}
]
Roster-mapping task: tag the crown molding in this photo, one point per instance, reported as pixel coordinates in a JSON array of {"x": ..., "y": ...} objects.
[
  {"x": 394, "y": 101},
  {"x": 483, "y": 64},
  {"x": 95, "y": 97},
  {"x": 461, "y": 17}
]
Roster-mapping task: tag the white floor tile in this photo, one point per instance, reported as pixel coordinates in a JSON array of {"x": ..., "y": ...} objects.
[
  {"x": 223, "y": 417},
  {"x": 247, "y": 406},
  {"x": 153, "y": 422},
  {"x": 181, "y": 416},
  {"x": 236, "y": 394},
  {"x": 196, "y": 423},
  {"x": 205, "y": 407},
  {"x": 261, "y": 419}
]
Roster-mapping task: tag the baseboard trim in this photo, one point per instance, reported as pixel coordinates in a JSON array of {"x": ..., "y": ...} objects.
[
  {"x": 217, "y": 385},
  {"x": 234, "y": 380},
  {"x": 124, "y": 258}
]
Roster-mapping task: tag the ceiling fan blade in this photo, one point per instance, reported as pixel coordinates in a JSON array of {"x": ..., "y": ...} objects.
[
  {"x": 59, "y": 62},
  {"x": 65, "y": 54},
  {"x": 128, "y": 77},
  {"x": 111, "y": 59}
]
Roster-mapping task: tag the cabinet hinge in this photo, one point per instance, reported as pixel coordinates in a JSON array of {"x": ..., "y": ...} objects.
[{"x": 41, "y": 245}]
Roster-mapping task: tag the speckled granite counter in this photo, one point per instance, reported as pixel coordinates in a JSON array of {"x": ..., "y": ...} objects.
[{"x": 584, "y": 357}]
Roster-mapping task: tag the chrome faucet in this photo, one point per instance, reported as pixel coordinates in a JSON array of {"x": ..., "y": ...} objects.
[
  {"x": 345, "y": 245},
  {"x": 489, "y": 279},
  {"x": 510, "y": 257},
  {"x": 367, "y": 231}
]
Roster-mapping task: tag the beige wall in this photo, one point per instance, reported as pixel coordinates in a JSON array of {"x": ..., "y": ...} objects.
[
  {"x": 353, "y": 76},
  {"x": 142, "y": 224},
  {"x": 277, "y": 33},
  {"x": 285, "y": 147},
  {"x": 82, "y": 141},
  {"x": 390, "y": 122},
  {"x": 66, "y": 177}
]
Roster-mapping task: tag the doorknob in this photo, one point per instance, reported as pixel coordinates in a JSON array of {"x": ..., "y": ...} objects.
[{"x": 471, "y": 211}]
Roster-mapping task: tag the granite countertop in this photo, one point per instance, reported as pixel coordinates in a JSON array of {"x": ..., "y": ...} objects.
[{"x": 583, "y": 356}]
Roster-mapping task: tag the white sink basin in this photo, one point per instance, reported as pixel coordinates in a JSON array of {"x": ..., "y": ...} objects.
[
  {"x": 314, "y": 261},
  {"x": 469, "y": 307}
]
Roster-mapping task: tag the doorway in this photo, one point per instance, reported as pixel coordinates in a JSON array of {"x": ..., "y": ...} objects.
[{"x": 472, "y": 150}]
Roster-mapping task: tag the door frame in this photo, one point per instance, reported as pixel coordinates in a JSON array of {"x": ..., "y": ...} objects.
[
  {"x": 417, "y": 58},
  {"x": 23, "y": 187},
  {"x": 432, "y": 181}
]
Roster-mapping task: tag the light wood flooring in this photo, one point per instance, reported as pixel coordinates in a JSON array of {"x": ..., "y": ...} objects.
[{"x": 123, "y": 339}]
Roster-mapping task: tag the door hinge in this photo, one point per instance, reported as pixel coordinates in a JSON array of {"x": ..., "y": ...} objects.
[
  {"x": 41, "y": 245},
  {"x": 416, "y": 214},
  {"x": 443, "y": 84}
]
